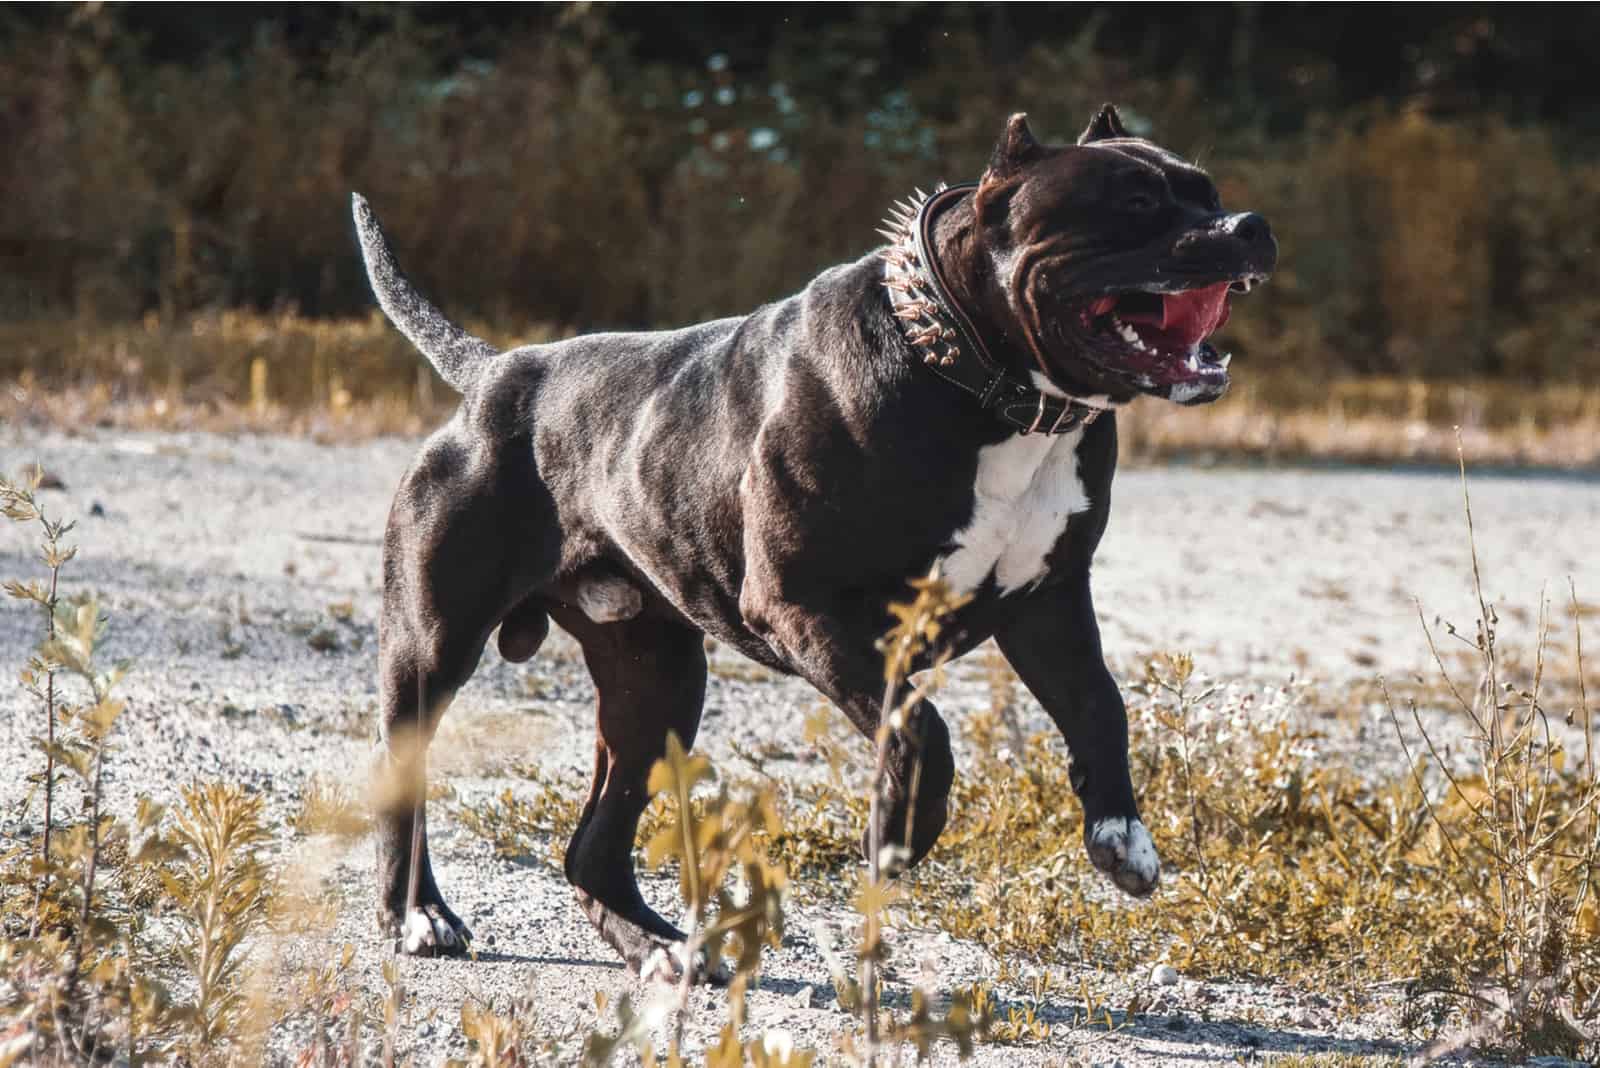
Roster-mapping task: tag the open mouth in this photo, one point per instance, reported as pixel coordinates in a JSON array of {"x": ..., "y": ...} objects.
[{"x": 1161, "y": 338}]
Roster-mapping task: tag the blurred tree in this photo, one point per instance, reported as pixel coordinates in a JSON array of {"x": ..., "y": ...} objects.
[{"x": 1431, "y": 168}]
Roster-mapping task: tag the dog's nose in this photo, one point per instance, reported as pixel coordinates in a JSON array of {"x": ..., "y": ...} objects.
[
  {"x": 1255, "y": 232},
  {"x": 1248, "y": 227}
]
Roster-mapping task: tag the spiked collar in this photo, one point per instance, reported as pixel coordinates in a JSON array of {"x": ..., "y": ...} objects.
[{"x": 941, "y": 333}]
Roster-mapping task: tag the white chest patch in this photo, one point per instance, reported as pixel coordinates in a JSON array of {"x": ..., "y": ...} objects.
[{"x": 1026, "y": 490}]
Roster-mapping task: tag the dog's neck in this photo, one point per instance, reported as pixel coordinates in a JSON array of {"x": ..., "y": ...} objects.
[
  {"x": 972, "y": 273},
  {"x": 965, "y": 265},
  {"x": 942, "y": 289}
]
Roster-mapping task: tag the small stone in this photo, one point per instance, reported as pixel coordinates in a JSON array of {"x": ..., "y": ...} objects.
[
  {"x": 1164, "y": 975},
  {"x": 804, "y": 998},
  {"x": 324, "y": 639},
  {"x": 488, "y": 939},
  {"x": 1177, "y": 1023},
  {"x": 97, "y": 510}
]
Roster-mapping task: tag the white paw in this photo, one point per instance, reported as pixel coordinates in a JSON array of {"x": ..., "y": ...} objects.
[
  {"x": 658, "y": 965},
  {"x": 423, "y": 933},
  {"x": 608, "y": 600},
  {"x": 1123, "y": 849},
  {"x": 669, "y": 964}
]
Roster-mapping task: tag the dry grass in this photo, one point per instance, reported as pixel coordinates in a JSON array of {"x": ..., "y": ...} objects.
[
  {"x": 1284, "y": 864},
  {"x": 1377, "y": 420},
  {"x": 329, "y": 809},
  {"x": 1467, "y": 880},
  {"x": 341, "y": 380},
  {"x": 601, "y": 185}
]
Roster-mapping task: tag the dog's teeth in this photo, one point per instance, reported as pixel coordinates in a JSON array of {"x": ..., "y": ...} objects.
[{"x": 1224, "y": 360}]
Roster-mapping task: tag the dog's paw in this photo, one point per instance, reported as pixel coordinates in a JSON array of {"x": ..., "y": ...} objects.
[
  {"x": 667, "y": 962},
  {"x": 433, "y": 931},
  {"x": 1122, "y": 848}
]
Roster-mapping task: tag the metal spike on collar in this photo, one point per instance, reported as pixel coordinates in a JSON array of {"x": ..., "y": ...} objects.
[{"x": 909, "y": 294}]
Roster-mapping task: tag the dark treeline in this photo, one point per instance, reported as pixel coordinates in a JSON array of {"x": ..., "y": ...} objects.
[{"x": 1431, "y": 170}]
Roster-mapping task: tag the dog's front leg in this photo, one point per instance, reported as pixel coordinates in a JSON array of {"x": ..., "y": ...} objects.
[
  {"x": 1053, "y": 642},
  {"x": 830, "y": 643}
]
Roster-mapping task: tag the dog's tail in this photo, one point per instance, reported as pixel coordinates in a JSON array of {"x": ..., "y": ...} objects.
[{"x": 454, "y": 353}]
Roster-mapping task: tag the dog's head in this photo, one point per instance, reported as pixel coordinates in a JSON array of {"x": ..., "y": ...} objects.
[{"x": 1112, "y": 260}]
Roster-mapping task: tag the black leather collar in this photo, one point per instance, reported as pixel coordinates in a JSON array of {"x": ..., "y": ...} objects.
[{"x": 936, "y": 326}]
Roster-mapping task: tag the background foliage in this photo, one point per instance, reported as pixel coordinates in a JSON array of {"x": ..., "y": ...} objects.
[{"x": 1433, "y": 175}]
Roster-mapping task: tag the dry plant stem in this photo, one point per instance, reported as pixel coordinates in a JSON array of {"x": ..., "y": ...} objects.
[
  {"x": 691, "y": 943},
  {"x": 869, "y": 963},
  {"x": 1492, "y": 745},
  {"x": 50, "y": 719},
  {"x": 413, "y": 877},
  {"x": 1188, "y": 788},
  {"x": 1591, "y": 856},
  {"x": 1412, "y": 763},
  {"x": 1583, "y": 692},
  {"x": 76, "y": 963},
  {"x": 50, "y": 749}
]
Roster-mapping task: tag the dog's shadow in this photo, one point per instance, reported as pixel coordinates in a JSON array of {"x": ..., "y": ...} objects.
[
  {"x": 1241, "y": 1038},
  {"x": 497, "y": 957}
]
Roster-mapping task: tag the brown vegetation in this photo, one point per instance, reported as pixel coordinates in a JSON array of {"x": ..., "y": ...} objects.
[
  {"x": 559, "y": 184},
  {"x": 1465, "y": 875}
]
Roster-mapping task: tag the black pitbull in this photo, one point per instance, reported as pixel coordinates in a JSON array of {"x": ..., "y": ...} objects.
[{"x": 774, "y": 480}]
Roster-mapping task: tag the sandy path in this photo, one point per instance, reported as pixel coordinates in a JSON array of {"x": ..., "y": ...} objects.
[{"x": 215, "y": 556}]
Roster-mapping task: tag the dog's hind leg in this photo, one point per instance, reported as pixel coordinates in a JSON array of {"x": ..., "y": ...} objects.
[
  {"x": 650, "y": 678},
  {"x": 466, "y": 541}
]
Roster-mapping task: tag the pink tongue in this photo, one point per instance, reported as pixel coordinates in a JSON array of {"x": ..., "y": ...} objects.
[{"x": 1194, "y": 314}]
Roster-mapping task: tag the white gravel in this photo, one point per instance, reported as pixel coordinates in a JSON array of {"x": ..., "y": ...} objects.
[{"x": 216, "y": 556}]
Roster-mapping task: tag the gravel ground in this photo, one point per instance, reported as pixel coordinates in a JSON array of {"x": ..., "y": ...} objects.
[{"x": 218, "y": 557}]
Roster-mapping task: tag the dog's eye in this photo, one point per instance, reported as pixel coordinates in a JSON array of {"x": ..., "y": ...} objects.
[{"x": 1141, "y": 203}]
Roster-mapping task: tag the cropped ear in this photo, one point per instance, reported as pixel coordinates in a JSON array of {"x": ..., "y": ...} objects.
[
  {"x": 1015, "y": 148},
  {"x": 1104, "y": 126}
]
